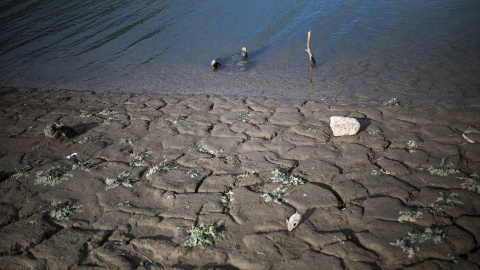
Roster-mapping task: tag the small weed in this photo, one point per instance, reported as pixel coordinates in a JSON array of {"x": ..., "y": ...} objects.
[
  {"x": 91, "y": 139},
  {"x": 202, "y": 148},
  {"x": 472, "y": 182},
  {"x": 121, "y": 180},
  {"x": 82, "y": 166},
  {"x": 312, "y": 129},
  {"x": 63, "y": 211},
  {"x": 410, "y": 242},
  {"x": 433, "y": 208},
  {"x": 23, "y": 172},
  {"x": 205, "y": 234},
  {"x": 449, "y": 198},
  {"x": 108, "y": 111},
  {"x": 87, "y": 114},
  {"x": 275, "y": 196},
  {"x": 139, "y": 159},
  {"x": 409, "y": 215},
  {"x": 393, "y": 102},
  {"x": 53, "y": 176},
  {"x": 442, "y": 169},
  {"x": 286, "y": 179},
  {"x": 227, "y": 198},
  {"x": 244, "y": 116},
  {"x": 414, "y": 143},
  {"x": 380, "y": 171},
  {"x": 127, "y": 140},
  {"x": 193, "y": 174},
  {"x": 216, "y": 151},
  {"x": 162, "y": 167},
  {"x": 373, "y": 131},
  {"x": 111, "y": 121},
  {"x": 246, "y": 174},
  {"x": 126, "y": 204},
  {"x": 179, "y": 119},
  {"x": 453, "y": 258}
]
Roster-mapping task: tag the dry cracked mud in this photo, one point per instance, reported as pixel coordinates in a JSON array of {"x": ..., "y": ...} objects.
[{"x": 172, "y": 159}]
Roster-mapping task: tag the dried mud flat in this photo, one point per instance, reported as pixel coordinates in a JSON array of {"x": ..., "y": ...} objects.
[{"x": 150, "y": 166}]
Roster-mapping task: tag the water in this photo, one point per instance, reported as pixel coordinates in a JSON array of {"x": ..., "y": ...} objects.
[{"x": 417, "y": 51}]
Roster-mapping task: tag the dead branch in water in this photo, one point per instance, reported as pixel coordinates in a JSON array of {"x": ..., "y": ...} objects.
[{"x": 308, "y": 49}]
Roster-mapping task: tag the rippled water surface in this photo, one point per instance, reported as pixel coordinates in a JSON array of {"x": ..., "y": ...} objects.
[{"x": 368, "y": 49}]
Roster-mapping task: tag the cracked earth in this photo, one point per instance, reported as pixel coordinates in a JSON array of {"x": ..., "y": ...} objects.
[{"x": 193, "y": 150}]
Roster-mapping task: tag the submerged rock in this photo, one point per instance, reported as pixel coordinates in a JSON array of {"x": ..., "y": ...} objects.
[
  {"x": 342, "y": 126},
  {"x": 57, "y": 130}
]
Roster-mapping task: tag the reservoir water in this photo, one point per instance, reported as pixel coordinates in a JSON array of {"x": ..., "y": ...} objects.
[{"x": 417, "y": 51}]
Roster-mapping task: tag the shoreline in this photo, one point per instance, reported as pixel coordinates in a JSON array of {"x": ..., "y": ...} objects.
[{"x": 148, "y": 166}]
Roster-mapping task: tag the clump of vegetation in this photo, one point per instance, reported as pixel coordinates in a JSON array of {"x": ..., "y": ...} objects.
[
  {"x": 91, "y": 139},
  {"x": 410, "y": 242},
  {"x": 81, "y": 165},
  {"x": 442, "y": 169},
  {"x": 245, "y": 116},
  {"x": 162, "y": 167},
  {"x": 373, "y": 131},
  {"x": 111, "y": 121},
  {"x": 87, "y": 114},
  {"x": 216, "y": 151},
  {"x": 53, "y": 176},
  {"x": 380, "y": 171},
  {"x": 275, "y": 196},
  {"x": 286, "y": 179},
  {"x": 433, "y": 208},
  {"x": 246, "y": 174},
  {"x": 107, "y": 112},
  {"x": 139, "y": 159},
  {"x": 63, "y": 211},
  {"x": 205, "y": 234},
  {"x": 23, "y": 172},
  {"x": 202, "y": 148},
  {"x": 393, "y": 102},
  {"x": 228, "y": 197},
  {"x": 449, "y": 198},
  {"x": 127, "y": 140},
  {"x": 123, "y": 179},
  {"x": 409, "y": 215},
  {"x": 414, "y": 143},
  {"x": 472, "y": 182}
]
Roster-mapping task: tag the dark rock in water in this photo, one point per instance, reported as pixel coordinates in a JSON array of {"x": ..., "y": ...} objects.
[
  {"x": 57, "y": 130},
  {"x": 215, "y": 65}
]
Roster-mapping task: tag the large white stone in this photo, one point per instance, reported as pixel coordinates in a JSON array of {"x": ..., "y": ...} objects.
[{"x": 342, "y": 126}]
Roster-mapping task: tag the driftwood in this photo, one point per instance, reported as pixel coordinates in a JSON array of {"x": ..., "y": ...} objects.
[{"x": 308, "y": 49}]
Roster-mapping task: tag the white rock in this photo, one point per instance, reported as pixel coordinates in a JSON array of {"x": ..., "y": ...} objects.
[
  {"x": 293, "y": 221},
  {"x": 342, "y": 126}
]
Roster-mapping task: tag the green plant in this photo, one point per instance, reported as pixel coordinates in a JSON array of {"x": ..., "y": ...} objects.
[
  {"x": 162, "y": 167},
  {"x": 202, "y": 148},
  {"x": 380, "y": 171},
  {"x": 442, "y": 169},
  {"x": 286, "y": 179},
  {"x": 87, "y": 114},
  {"x": 81, "y": 165},
  {"x": 23, "y": 172},
  {"x": 433, "y": 208},
  {"x": 121, "y": 180},
  {"x": 127, "y": 140},
  {"x": 472, "y": 182},
  {"x": 139, "y": 159},
  {"x": 246, "y": 174},
  {"x": 410, "y": 242},
  {"x": 409, "y": 215},
  {"x": 111, "y": 120},
  {"x": 414, "y": 143},
  {"x": 275, "y": 196},
  {"x": 449, "y": 198},
  {"x": 245, "y": 116},
  {"x": 205, "y": 234},
  {"x": 393, "y": 102},
  {"x": 228, "y": 197},
  {"x": 63, "y": 211},
  {"x": 53, "y": 176},
  {"x": 108, "y": 111}
]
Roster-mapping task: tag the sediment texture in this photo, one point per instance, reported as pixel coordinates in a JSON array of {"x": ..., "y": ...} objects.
[{"x": 206, "y": 146}]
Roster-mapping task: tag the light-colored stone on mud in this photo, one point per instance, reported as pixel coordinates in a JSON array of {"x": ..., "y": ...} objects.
[{"x": 344, "y": 126}]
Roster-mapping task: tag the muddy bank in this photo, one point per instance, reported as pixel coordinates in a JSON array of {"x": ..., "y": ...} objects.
[{"x": 142, "y": 169}]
